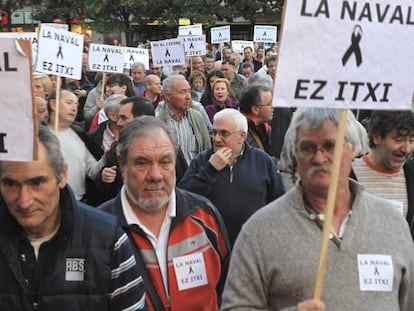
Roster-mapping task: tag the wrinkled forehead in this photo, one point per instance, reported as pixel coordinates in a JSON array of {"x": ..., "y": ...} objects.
[
  {"x": 26, "y": 169},
  {"x": 309, "y": 131},
  {"x": 224, "y": 123},
  {"x": 152, "y": 139}
]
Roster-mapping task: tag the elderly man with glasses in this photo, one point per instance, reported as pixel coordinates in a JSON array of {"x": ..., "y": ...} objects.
[
  {"x": 236, "y": 177},
  {"x": 275, "y": 259}
]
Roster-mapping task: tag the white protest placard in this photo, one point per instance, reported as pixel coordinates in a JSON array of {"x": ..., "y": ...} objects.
[
  {"x": 133, "y": 55},
  {"x": 57, "y": 26},
  {"x": 238, "y": 45},
  {"x": 32, "y": 36},
  {"x": 168, "y": 52},
  {"x": 194, "y": 45},
  {"x": 16, "y": 125},
  {"x": 220, "y": 34},
  {"x": 346, "y": 54},
  {"x": 106, "y": 58},
  {"x": 190, "y": 30},
  {"x": 59, "y": 52},
  {"x": 265, "y": 33}
]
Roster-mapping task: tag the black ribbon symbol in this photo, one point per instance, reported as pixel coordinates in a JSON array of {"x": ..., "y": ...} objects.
[
  {"x": 59, "y": 53},
  {"x": 354, "y": 47}
]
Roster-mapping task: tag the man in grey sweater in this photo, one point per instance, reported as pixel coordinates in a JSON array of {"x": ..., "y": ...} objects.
[{"x": 370, "y": 264}]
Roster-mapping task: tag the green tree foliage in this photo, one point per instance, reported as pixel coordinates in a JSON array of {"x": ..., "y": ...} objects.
[
  {"x": 106, "y": 16},
  {"x": 109, "y": 16},
  {"x": 207, "y": 12}
]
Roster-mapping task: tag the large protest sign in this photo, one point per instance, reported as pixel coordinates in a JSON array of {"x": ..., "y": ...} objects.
[
  {"x": 168, "y": 52},
  {"x": 190, "y": 30},
  {"x": 220, "y": 34},
  {"x": 133, "y": 55},
  {"x": 59, "y": 52},
  {"x": 194, "y": 45},
  {"x": 238, "y": 45},
  {"x": 106, "y": 58},
  {"x": 265, "y": 34},
  {"x": 346, "y": 54},
  {"x": 32, "y": 36},
  {"x": 16, "y": 125}
]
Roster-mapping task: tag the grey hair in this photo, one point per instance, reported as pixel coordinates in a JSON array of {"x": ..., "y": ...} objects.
[
  {"x": 138, "y": 64},
  {"x": 168, "y": 82},
  {"x": 260, "y": 79},
  {"x": 111, "y": 104},
  {"x": 238, "y": 118},
  {"x": 54, "y": 154},
  {"x": 142, "y": 127},
  {"x": 150, "y": 78},
  {"x": 315, "y": 117}
]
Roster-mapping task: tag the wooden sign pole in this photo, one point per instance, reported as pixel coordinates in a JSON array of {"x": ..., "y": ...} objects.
[
  {"x": 57, "y": 103},
  {"x": 333, "y": 185}
]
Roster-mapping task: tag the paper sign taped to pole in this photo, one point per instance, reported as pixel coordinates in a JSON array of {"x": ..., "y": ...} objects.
[
  {"x": 190, "y": 30},
  {"x": 265, "y": 34},
  {"x": 346, "y": 54},
  {"x": 168, "y": 52},
  {"x": 194, "y": 45},
  {"x": 17, "y": 118},
  {"x": 239, "y": 45},
  {"x": 133, "y": 55},
  {"x": 220, "y": 34},
  {"x": 59, "y": 52},
  {"x": 106, "y": 58}
]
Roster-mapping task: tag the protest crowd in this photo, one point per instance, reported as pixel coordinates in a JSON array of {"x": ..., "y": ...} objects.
[{"x": 182, "y": 188}]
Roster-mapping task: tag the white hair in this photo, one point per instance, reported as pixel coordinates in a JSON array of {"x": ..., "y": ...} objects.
[{"x": 238, "y": 118}]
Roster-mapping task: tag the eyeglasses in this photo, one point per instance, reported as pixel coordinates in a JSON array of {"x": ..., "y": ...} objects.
[
  {"x": 267, "y": 105},
  {"x": 222, "y": 133},
  {"x": 307, "y": 150}
]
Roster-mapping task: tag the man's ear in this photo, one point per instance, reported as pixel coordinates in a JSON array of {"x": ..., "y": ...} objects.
[
  {"x": 255, "y": 110},
  {"x": 166, "y": 96},
  {"x": 64, "y": 176},
  {"x": 243, "y": 135},
  {"x": 376, "y": 139},
  {"x": 112, "y": 116}
]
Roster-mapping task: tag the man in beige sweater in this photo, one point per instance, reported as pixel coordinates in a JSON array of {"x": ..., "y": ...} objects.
[{"x": 275, "y": 259}]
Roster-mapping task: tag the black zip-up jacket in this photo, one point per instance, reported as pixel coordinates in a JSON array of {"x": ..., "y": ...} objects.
[{"x": 74, "y": 270}]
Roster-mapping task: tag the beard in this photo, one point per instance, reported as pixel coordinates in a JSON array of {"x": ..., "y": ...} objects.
[{"x": 145, "y": 204}]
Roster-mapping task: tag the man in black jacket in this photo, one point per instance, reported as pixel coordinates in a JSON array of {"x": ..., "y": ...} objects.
[{"x": 56, "y": 253}]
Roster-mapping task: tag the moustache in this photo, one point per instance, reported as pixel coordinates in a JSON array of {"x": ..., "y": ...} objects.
[
  {"x": 154, "y": 186},
  {"x": 312, "y": 170}
]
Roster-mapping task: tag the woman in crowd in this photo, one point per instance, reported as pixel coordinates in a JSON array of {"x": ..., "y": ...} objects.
[
  {"x": 197, "y": 81},
  {"x": 42, "y": 86},
  {"x": 207, "y": 97},
  {"x": 222, "y": 98}
]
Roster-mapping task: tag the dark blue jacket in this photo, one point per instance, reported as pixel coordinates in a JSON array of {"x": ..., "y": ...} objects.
[
  {"x": 237, "y": 193},
  {"x": 74, "y": 270}
]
